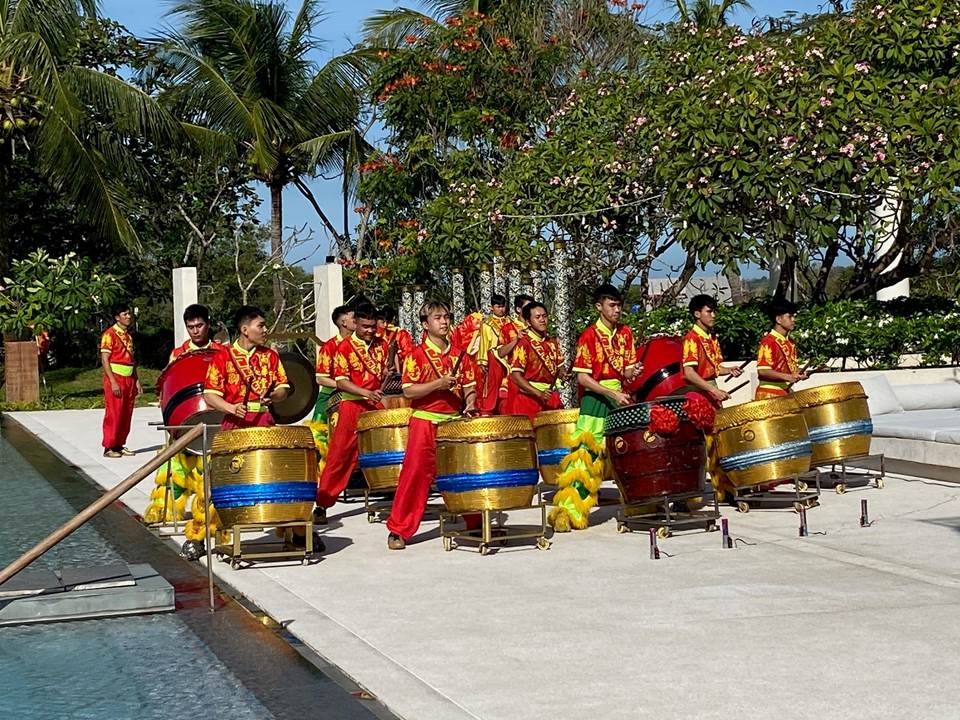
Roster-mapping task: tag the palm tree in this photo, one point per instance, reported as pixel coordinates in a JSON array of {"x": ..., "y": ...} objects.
[
  {"x": 708, "y": 14},
  {"x": 74, "y": 121},
  {"x": 242, "y": 77}
]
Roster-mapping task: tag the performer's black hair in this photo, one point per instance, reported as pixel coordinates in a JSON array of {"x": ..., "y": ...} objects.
[
  {"x": 520, "y": 300},
  {"x": 387, "y": 313},
  {"x": 699, "y": 302},
  {"x": 246, "y": 314},
  {"x": 120, "y": 307},
  {"x": 530, "y": 307},
  {"x": 429, "y": 306},
  {"x": 781, "y": 307},
  {"x": 606, "y": 292},
  {"x": 365, "y": 311},
  {"x": 497, "y": 299},
  {"x": 196, "y": 312},
  {"x": 339, "y": 312}
]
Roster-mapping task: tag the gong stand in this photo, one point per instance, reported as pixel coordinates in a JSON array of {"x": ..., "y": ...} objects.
[{"x": 666, "y": 519}]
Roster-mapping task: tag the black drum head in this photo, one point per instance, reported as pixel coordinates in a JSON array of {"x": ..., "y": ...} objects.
[{"x": 303, "y": 390}]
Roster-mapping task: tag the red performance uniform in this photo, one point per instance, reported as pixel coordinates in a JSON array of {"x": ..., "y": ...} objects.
[
  {"x": 241, "y": 376},
  {"x": 403, "y": 339},
  {"x": 426, "y": 364},
  {"x": 117, "y": 343},
  {"x": 779, "y": 354},
  {"x": 363, "y": 365},
  {"x": 497, "y": 381},
  {"x": 325, "y": 354},
  {"x": 188, "y": 347},
  {"x": 701, "y": 350},
  {"x": 539, "y": 361},
  {"x": 605, "y": 354}
]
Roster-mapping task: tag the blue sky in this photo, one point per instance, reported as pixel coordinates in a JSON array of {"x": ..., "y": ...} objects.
[{"x": 340, "y": 29}]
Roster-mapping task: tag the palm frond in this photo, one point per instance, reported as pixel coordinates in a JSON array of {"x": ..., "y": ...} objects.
[{"x": 388, "y": 28}]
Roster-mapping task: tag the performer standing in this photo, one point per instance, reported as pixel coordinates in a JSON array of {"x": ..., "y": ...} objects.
[
  {"x": 196, "y": 318},
  {"x": 121, "y": 386},
  {"x": 247, "y": 377},
  {"x": 400, "y": 339},
  {"x": 343, "y": 319},
  {"x": 497, "y": 377},
  {"x": 702, "y": 357},
  {"x": 360, "y": 367},
  {"x": 606, "y": 359},
  {"x": 536, "y": 367},
  {"x": 440, "y": 387},
  {"x": 777, "y": 366}
]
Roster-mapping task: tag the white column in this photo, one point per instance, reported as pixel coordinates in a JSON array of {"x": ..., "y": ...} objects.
[
  {"x": 327, "y": 295},
  {"x": 888, "y": 221},
  {"x": 459, "y": 295},
  {"x": 514, "y": 273},
  {"x": 406, "y": 312},
  {"x": 184, "y": 294},
  {"x": 486, "y": 287},
  {"x": 536, "y": 282},
  {"x": 500, "y": 275},
  {"x": 562, "y": 319}
]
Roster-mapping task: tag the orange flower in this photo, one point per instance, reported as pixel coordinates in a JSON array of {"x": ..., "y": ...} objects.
[
  {"x": 453, "y": 21},
  {"x": 410, "y": 39},
  {"x": 504, "y": 43}
]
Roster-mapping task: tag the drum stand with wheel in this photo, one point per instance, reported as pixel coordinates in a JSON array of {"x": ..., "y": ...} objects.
[
  {"x": 492, "y": 529},
  {"x": 237, "y": 551},
  {"x": 859, "y": 477},
  {"x": 378, "y": 504},
  {"x": 757, "y": 497},
  {"x": 665, "y": 519}
]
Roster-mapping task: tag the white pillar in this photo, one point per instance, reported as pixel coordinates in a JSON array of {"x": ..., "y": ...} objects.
[
  {"x": 184, "y": 294},
  {"x": 500, "y": 275},
  {"x": 459, "y": 295},
  {"x": 406, "y": 312},
  {"x": 327, "y": 295},
  {"x": 888, "y": 221}
]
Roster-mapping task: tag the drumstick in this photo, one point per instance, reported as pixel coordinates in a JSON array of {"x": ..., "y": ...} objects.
[
  {"x": 456, "y": 366},
  {"x": 741, "y": 367},
  {"x": 738, "y": 387}
]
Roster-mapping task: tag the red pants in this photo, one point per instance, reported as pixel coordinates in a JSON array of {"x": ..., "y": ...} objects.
[
  {"x": 118, "y": 411},
  {"x": 489, "y": 400},
  {"x": 416, "y": 476},
  {"x": 260, "y": 419},
  {"x": 519, "y": 403},
  {"x": 343, "y": 453}
]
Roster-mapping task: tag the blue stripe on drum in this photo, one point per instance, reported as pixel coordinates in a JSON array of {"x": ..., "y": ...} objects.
[
  {"x": 552, "y": 456},
  {"x": 381, "y": 459},
  {"x": 841, "y": 430},
  {"x": 230, "y": 496},
  {"x": 750, "y": 458},
  {"x": 464, "y": 482}
]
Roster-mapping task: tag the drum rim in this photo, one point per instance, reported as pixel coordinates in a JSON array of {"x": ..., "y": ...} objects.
[
  {"x": 283, "y": 437},
  {"x": 830, "y": 393},
  {"x": 775, "y": 408},
  {"x": 496, "y": 427},
  {"x": 387, "y": 418},
  {"x": 547, "y": 418}
]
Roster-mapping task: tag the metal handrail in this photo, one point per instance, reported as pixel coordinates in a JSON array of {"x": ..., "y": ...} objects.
[{"x": 104, "y": 501}]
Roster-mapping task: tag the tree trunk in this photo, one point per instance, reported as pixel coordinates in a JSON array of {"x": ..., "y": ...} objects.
[
  {"x": 829, "y": 258},
  {"x": 786, "y": 278},
  {"x": 276, "y": 241},
  {"x": 736, "y": 287}
]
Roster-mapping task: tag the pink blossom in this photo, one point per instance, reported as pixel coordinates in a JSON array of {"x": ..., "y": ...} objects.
[
  {"x": 848, "y": 150},
  {"x": 863, "y": 67},
  {"x": 825, "y": 101},
  {"x": 880, "y": 156},
  {"x": 788, "y": 141}
]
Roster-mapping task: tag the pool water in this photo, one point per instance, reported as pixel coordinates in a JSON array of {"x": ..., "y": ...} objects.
[{"x": 145, "y": 667}]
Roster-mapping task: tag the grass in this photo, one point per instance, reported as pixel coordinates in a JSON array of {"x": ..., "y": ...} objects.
[{"x": 79, "y": 389}]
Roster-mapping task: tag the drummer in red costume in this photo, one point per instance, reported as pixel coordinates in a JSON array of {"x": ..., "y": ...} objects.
[
  {"x": 343, "y": 319},
  {"x": 497, "y": 381},
  {"x": 196, "y": 318},
  {"x": 536, "y": 367},
  {"x": 480, "y": 334},
  {"x": 120, "y": 382},
  {"x": 702, "y": 356},
  {"x": 360, "y": 367},
  {"x": 439, "y": 390},
  {"x": 395, "y": 335},
  {"x": 247, "y": 377},
  {"x": 777, "y": 367}
]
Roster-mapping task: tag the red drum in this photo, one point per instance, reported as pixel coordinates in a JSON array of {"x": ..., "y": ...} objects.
[
  {"x": 180, "y": 390},
  {"x": 662, "y": 369},
  {"x": 648, "y": 464}
]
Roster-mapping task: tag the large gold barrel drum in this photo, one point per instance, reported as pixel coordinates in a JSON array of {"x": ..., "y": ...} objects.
[
  {"x": 382, "y": 436},
  {"x": 838, "y": 420},
  {"x": 762, "y": 441},
  {"x": 487, "y": 463},
  {"x": 263, "y": 475},
  {"x": 554, "y": 430}
]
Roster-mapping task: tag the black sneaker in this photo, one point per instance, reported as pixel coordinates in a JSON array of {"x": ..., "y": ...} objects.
[
  {"x": 319, "y": 516},
  {"x": 395, "y": 542}
]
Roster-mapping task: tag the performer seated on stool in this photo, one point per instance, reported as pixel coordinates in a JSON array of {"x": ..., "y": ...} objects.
[
  {"x": 606, "y": 359},
  {"x": 344, "y": 320},
  {"x": 702, "y": 357},
  {"x": 777, "y": 367},
  {"x": 438, "y": 390},
  {"x": 536, "y": 367},
  {"x": 196, "y": 318},
  {"x": 245, "y": 378},
  {"x": 360, "y": 367},
  {"x": 121, "y": 386}
]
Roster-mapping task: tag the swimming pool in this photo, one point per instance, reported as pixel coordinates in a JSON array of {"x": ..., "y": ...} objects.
[{"x": 187, "y": 663}]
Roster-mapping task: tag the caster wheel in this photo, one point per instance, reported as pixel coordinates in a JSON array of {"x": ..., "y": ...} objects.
[
  {"x": 802, "y": 486},
  {"x": 841, "y": 488},
  {"x": 371, "y": 517},
  {"x": 798, "y": 506},
  {"x": 543, "y": 543},
  {"x": 711, "y": 527},
  {"x": 234, "y": 565},
  {"x": 879, "y": 483},
  {"x": 484, "y": 549},
  {"x": 663, "y": 533},
  {"x": 743, "y": 507},
  {"x": 622, "y": 528},
  {"x": 448, "y": 544}
]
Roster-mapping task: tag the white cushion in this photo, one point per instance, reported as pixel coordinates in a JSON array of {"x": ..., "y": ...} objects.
[
  {"x": 881, "y": 399},
  {"x": 929, "y": 396},
  {"x": 917, "y": 424}
]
